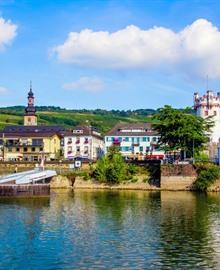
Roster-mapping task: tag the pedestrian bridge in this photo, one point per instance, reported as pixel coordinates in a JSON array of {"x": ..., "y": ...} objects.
[{"x": 28, "y": 177}]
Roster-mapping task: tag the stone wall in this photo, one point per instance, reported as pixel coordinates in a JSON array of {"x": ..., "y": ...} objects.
[
  {"x": 177, "y": 182},
  {"x": 175, "y": 170},
  {"x": 61, "y": 181},
  {"x": 177, "y": 177},
  {"x": 7, "y": 167},
  {"x": 215, "y": 187}
]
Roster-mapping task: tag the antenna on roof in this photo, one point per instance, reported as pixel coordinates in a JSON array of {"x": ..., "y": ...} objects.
[{"x": 30, "y": 84}]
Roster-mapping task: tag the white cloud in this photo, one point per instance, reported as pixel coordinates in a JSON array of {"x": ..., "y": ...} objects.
[
  {"x": 3, "y": 90},
  {"x": 90, "y": 84},
  {"x": 7, "y": 32},
  {"x": 194, "y": 49}
]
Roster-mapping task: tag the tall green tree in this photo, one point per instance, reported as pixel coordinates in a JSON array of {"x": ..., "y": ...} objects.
[{"x": 181, "y": 130}]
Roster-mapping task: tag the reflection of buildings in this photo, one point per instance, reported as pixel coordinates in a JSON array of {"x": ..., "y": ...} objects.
[
  {"x": 84, "y": 142},
  {"x": 135, "y": 140},
  {"x": 185, "y": 228},
  {"x": 30, "y": 141}
]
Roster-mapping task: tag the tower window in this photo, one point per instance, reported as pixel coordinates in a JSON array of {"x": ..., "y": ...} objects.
[
  {"x": 215, "y": 113},
  {"x": 206, "y": 113}
]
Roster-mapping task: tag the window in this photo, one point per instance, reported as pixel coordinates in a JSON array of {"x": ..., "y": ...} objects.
[
  {"x": 144, "y": 139},
  {"x": 17, "y": 149},
  {"x": 37, "y": 142},
  {"x": 124, "y": 149},
  {"x": 78, "y": 149},
  {"x": 141, "y": 149},
  {"x": 69, "y": 140},
  {"x": 41, "y": 149},
  {"x": 86, "y": 150},
  {"x": 206, "y": 113},
  {"x": 25, "y": 149},
  {"x": 215, "y": 113},
  {"x": 33, "y": 149}
]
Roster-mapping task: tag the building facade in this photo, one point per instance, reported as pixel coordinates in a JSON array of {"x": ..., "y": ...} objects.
[
  {"x": 83, "y": 142},
  {"x": 29, "y": 143},
  {"x": 206, "y": 106},
  {"x": 135, "y": 141}
]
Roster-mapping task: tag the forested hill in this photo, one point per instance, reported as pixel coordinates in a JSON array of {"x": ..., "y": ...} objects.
[{"x": 103, "y": 120}]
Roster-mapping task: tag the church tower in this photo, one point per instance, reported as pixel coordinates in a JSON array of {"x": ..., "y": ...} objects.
[{"x": 30, "y": 118}]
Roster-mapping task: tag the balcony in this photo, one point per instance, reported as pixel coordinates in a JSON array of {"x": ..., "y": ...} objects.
[
  {"x": 116, "y": 142},
  {"x": 19, "y": 144},
  {"x": 135, "y": 144}
]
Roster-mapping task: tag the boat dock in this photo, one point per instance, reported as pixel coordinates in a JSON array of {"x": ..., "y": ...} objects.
[{"x": 29, "y": 183}]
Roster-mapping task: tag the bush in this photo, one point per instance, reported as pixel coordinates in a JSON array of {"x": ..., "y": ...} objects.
[
  {"x": 201, "y": 157},
  {"x": 113, "y": 169},
  {"x": 207, "y": 175},
  {"x": 101, "y": 169}
]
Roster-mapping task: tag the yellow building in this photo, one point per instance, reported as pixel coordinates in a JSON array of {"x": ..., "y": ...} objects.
[{"x": 30, "y": 142}]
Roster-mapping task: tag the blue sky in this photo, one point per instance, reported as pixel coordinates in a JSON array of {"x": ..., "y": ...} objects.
[{"x": 122, "y": 62}]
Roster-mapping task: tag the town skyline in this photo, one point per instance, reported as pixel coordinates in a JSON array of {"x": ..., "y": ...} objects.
[{"x": 163, "y": 61}]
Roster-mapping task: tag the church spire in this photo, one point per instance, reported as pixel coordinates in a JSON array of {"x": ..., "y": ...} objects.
[
  {"x": 30, "y": 93},
  {"x": 30, "y": 118}
]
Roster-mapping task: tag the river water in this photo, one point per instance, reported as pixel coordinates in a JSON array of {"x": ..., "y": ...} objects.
[{"x": 111, "y": 230}]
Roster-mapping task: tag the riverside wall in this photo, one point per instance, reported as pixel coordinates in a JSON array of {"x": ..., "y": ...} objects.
[
  {"x": 10, "y": 190},
  {"x": 177, "y": 177},
  {"x": 7, "y": 167},
  {"x": 172, "y": 177}
]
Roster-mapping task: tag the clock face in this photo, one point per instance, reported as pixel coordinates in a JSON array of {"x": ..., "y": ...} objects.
[{"x": 30, "y": 101}]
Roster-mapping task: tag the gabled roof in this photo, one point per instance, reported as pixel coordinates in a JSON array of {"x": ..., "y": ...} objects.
[
  {"x": 132, "y": 129},
  {"x": 32, "y": 131},
  {"x": 83, "y": 131}
]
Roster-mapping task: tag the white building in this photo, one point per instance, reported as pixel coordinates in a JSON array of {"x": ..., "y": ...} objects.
[
  {"x": 83, "y": 142},
  {"x": 209, "y": 105},
  {"x": 137, "y": 141}
]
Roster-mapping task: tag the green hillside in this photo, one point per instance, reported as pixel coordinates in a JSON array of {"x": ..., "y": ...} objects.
[{"x": 101, "y": 119}]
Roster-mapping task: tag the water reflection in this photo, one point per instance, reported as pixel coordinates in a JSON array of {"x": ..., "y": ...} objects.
[{"x": 111, "y": 230}]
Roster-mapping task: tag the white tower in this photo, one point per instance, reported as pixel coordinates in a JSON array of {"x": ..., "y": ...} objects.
[{"x": 209, "y": 105}]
